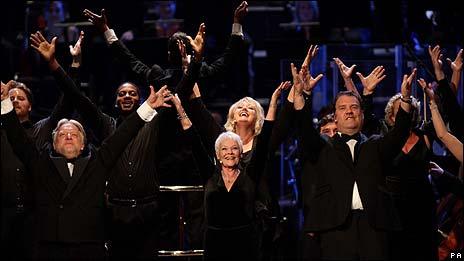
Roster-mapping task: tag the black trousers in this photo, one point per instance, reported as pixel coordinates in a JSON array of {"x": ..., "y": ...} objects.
[
  {"x": 354, "y": 240},
  {"x": 134, "y": 231}
]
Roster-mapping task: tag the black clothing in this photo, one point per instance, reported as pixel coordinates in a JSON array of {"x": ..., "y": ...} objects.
[
  {"x": 408, "y": 179},
  {"x": 15, "y": 194},
  {"x": 69, "y": 213},
  {"x": 133, "y": 189},
  {"x": 230, "y": 216},
  {"x": 334, "y": 171},
  {"x": 174, "y": 161}
]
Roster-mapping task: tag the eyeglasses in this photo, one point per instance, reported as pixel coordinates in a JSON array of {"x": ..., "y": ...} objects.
[{"x": 125, "y": 93}]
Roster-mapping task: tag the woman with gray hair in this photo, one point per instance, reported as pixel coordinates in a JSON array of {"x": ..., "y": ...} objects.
[{"x": 231, "y": 193}]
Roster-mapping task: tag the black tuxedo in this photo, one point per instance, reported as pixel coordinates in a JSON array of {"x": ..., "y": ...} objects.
[
  {"x": 329, "y": 166},
  {"x": 69, "y": 210}
]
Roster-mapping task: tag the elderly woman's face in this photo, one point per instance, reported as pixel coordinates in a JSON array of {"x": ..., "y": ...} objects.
[
  {"x": 245, "y": 113},
  {"x": 229, "y": 153}
]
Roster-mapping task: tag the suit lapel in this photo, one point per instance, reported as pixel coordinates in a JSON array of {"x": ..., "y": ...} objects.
[
  {"x": 343, "y": 152},
  {"x": 62, "y": 167},
  {"x": 79, "y": 167}
]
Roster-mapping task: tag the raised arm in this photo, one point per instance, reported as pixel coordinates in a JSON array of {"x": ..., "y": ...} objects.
[
  {"x": 369, "y": 84},
  {"x": 310, "y": 141},
  {"x": 120, "y": 50},
  {"x": 436, "y": 58},
  {"x": 394, "y": 140},
  {"x": 100, "y": 123},
  {"x": 204, "y": 162},
  {"x": 222, "y": 65},
  {"x": 456, "y": 67},
  {"x": 271, "y": 112},
  {"x": 346, "y": 73},
  {"x": 21, "y": 143},
  {"x": 450, "y": 141}
]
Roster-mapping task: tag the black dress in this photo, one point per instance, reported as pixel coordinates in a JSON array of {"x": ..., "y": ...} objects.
[
  {"x": 409, "y": 180},
  {"x": 230, "y": 216}
]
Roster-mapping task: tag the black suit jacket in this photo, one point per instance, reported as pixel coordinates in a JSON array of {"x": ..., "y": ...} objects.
[
  {"x": 333, "y": 173},
  {"x": 69, "y": 209}
]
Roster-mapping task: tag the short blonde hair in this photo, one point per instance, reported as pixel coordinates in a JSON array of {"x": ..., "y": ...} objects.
[
  {"x": 230, "y": 124},
  {"x": 415, "y": 110},
  {"x": 75, "y": 123},
  {"x": 225, "y": 136}
]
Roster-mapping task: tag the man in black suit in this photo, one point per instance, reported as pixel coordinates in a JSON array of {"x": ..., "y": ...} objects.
[
  {"x": 350, "y": 208},
  {"x": 174, "y": 159},
  {"x": 68, "y": 179}
]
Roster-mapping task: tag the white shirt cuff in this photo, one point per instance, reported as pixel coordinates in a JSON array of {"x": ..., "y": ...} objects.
[
  {"x": 110, "y": 36},
  {"x": 146, "y": 112},
  {"x": 237, "y": 29},
  {"x": 7, "y": 106}
]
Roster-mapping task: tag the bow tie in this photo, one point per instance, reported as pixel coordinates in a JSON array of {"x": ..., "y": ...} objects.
[
  {"x": 73, "y": 160},
  {"x": 345, "y": 137}
]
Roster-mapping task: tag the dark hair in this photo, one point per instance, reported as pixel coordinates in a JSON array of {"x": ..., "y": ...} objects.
[
  {"x": 23, "y": 87},
  {"x": 328, "y": 118},
  {"x": 131, "y": 83},
  {"x": 347, "y": 93},
  {"x": 174, "y": 54}
]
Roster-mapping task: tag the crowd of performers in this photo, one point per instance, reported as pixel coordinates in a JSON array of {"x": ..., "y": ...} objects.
[{"x": 84, "y": 184}]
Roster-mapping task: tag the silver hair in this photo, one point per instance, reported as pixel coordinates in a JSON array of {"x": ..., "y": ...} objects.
[
  {"x": 228, "y": 135},
  {"x": 230, "y": 124},
  {"x": 415, "y": 104},
  {"x": 75, "y": 123}
]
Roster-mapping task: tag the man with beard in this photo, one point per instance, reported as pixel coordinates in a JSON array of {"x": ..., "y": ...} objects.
[{"x": 15, "y": 215}]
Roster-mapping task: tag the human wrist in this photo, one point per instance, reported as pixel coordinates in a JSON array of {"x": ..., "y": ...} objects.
[{"x": 182, "y": 115}]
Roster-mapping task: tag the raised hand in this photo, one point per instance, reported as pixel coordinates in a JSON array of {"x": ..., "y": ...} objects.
[
  {"x": 240, "y": 12},
  {"x": 370, "y": 82},
  {"x": 456, "y": 65},
  {"x": 198, "y": 43},
  {"x": 99, "y": 21},
  {"x": 427, "y": 88},
  {"x": 183, "y": 55},
  {"x": 76, "y": 51},
  {"x": 271, "y": 112},
  {"x": 406, "y": 85},
  {"x": 345, "y": 71},
  {"x": 159, "y": 98},
  {"x": 297, "y": 80},
  {"x": 278, "y": 91},
  {"x": 46, "y": 49},
  {"x": 308, "y": 81},
  {"x": 436, "y": 57},
  {"x": 312, "y": 52}
]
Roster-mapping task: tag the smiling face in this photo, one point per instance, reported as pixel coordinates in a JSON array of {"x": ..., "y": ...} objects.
[
  {"x": 348, "y": 114},
  {"x": 127, "y": 97},
  {"x": 228, "y": 153},
  {"x": 245, "y": 114},
  {"x": 21, "y": 103}
]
